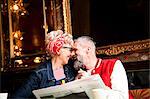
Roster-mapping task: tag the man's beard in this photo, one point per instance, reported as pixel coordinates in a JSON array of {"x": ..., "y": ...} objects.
[
  {"x": 79, "y": 63},
  {"x": 80, "y": 58}
]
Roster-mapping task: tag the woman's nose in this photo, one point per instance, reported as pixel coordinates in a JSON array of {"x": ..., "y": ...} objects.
[{"x": 72, "y": 53}]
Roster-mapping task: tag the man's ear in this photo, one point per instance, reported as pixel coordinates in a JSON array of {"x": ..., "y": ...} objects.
[{"x": 88, "y": 50}]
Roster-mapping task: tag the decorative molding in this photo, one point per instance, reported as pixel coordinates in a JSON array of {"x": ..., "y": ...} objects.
[
  {"x": 1, "y": 45},
  {"x": 67, "y": 16},
  {"x": 127, "y": 52},
  {"x": 123, "y": 47},
  {"x": 10, "y": 30},
  {"x": 133, "y": 57}
]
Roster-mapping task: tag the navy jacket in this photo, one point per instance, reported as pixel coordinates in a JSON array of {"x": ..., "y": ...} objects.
[{"x": 42, "y": 77}]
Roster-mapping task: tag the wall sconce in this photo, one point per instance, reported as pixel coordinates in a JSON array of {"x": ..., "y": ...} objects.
[
  {"x": 15, "y": 7},
  {"x": 17, "y": 39},
  {"x": 18, "y": 7}
]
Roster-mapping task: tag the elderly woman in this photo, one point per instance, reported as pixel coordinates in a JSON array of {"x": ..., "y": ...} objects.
[{"x": 52, "y": 72}]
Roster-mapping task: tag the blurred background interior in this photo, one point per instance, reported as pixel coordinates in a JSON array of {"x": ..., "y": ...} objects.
[{"x": 120, "y": 29}]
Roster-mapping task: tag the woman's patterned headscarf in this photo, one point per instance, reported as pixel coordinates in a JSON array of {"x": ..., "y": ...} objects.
[{"x": 56, "y": 40}]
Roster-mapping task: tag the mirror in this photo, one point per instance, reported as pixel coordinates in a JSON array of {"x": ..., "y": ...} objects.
[{"x": 30, "y": 21}]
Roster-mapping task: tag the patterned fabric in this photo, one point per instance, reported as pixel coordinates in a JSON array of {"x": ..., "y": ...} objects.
[
  {"x": 140, "y": 93},
  {"x": 56, "y": 40}
]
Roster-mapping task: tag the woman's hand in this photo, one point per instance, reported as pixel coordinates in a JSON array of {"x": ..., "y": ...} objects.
[{"x": 82, "y": 74}]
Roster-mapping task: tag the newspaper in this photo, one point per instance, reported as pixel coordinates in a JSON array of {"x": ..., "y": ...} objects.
[{"x": 77, "y": 86}]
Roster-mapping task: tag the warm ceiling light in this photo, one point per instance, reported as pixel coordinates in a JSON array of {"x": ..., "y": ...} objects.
[
  {"x": 15, "y": 7},
  {"x": 19, "y": 61},
  {"x": 16, "y": 35},
  {"x": 18, "y": 8},
  {"x": 37, "y": 60}
]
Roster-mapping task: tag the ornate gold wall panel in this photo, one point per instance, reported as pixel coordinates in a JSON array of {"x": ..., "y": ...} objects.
[{"x": 127, "y": 52}]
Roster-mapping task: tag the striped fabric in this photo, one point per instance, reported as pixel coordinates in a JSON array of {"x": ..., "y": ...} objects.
[{"x": 140, "y": 93}]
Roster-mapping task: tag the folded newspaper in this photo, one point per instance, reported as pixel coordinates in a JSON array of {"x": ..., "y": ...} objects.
[{"x": 77, "y": 86}]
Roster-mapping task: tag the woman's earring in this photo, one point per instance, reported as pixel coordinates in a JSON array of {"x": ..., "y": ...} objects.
[{"x": 58, "y": 53}]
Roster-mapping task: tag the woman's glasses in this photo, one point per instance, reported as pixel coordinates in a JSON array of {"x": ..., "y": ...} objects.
[{"x": 70, "y": 49}]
